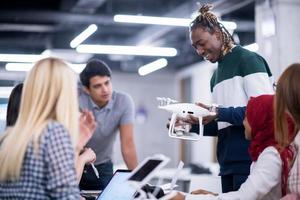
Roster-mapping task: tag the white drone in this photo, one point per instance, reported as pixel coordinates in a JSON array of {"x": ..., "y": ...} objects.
[{"x": 183, "y": 110}]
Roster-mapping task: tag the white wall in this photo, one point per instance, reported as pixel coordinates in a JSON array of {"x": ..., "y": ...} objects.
[
  {"x": 152, "y": 136},
  {"x": 200, "y": 73},
  {"x": 281, "y": 48}
]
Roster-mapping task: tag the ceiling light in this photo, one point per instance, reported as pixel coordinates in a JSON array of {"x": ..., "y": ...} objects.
[
  {"x": 20, "y": 57},
  {"x": 164, "y": 21},
  {"x": 83, "y": 36},
  {"x": 152, "y": 20},
  {"x": 27, "y": 66},
  {"x": 18, "y": 66},
  {"x": 153, "y": 66},
  {"x": 127, "y": 50},
  {"x": 252, "y": 47}
]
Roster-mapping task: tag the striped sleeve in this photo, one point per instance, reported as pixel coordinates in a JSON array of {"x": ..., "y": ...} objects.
[{"x": 257, "y": 76}]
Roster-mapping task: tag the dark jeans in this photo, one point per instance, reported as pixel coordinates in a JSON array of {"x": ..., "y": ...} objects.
[
  {"x": 89, "y": 180},
  {"x": 232, "y": 182}
]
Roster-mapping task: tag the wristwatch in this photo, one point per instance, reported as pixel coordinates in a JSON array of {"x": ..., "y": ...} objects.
[{"x": 214, "y": 108}]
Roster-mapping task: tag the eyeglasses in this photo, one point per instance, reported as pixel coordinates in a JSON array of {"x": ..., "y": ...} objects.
[{"x": 274, "y": 86}]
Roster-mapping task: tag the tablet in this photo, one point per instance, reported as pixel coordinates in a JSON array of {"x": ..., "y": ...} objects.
[
  {"x": 118, "y": 187},
  {"x": 146, "y": 169}
]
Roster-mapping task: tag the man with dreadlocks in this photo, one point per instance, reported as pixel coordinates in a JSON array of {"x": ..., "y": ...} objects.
[{"x": 240, "y": 74}]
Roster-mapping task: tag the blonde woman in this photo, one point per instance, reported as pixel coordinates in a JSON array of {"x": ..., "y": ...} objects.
[{"x": 37, "y": 155}]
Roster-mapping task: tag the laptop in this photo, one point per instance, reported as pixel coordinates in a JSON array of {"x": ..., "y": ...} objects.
[
  {"x": 124, "y": 183},
  {"x": 118, "y": 187}
]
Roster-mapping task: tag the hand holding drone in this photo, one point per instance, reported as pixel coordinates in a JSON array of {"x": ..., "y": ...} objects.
[{"x": 179, "y": 128}]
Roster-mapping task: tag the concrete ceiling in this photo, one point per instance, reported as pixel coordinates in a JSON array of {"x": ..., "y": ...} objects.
[{"x": 34, "y": 26}]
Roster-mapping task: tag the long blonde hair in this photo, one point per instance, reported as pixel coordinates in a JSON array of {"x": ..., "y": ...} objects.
[
  {"x": 49, "y": 93},
  {"x": 287, "y": 99}
]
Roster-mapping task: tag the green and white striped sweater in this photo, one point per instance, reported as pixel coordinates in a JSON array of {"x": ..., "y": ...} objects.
[{"x": 241, "y": 74}]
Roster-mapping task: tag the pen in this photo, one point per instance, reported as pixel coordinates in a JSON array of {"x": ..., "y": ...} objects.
[
  {"x": 175, "y": 177},
  {"x": 95, "y": 170}
]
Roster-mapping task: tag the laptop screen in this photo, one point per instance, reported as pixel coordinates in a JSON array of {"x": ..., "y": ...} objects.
[{"x": 118, "y": 188}]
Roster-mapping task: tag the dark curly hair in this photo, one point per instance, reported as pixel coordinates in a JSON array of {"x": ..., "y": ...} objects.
[{"x": 209, "y": 22}]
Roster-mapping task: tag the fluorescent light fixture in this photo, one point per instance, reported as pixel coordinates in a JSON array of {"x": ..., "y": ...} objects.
[
  {"x": 83, "y": 36},
  {"x": 127, "y": 50},
  {"x": 168, "y": 21},
  {"x": 152, "y": 20},
  {"x": 21, "y": 57},
  {"x": 252, "y": 47},
  {"x": 18, "y": 66},
  {"x": 153, "y": 66},
  {"x": 27, "y": 66}
]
